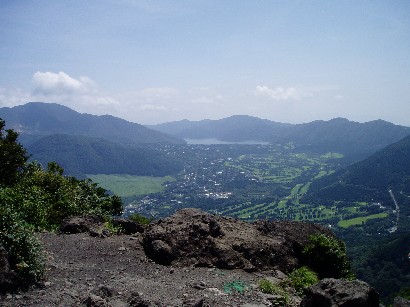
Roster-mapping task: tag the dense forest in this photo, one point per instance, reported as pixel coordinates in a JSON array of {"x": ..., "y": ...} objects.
[{"x": 80, "y": 155}]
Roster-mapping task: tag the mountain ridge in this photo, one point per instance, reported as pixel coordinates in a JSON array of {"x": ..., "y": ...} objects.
[
  {"x": 36, "y": 119},
  {"x": 233, "y": 128},
  {"x": 353, "y": 139}
]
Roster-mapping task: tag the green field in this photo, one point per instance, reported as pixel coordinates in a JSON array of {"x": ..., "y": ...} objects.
[
  {"x": 127, "y": 185},
  {"x": 360, "y": 220}
]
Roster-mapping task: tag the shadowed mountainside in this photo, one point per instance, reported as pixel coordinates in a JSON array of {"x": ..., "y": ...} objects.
[
  {"x": 369, "y": 179},
  {"x": 80, "y": 155},
  {"x": 36, "y": 119}
]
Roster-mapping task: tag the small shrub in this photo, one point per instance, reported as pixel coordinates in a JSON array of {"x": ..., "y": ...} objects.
[
  {"x": 302, "y": 278},
  {"x": 327, "y": 256},
  {"x": 111, "y": 227},
  {"x": 266, "y": 286},
  {"x": 24, "y": 251},
  {"x": 140, "y": 219},
  {"x": 44, "y": 198}
]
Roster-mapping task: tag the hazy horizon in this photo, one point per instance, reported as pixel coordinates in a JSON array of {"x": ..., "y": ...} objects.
[
  {"x": 152, "y": 62},
  {"x": 206, "y": 119}
]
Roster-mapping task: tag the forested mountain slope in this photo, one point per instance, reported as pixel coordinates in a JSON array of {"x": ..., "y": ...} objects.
[
  {"x": 369, "y": 179},
  {"x": 80, "y": 155},
  {"x": 36, "y": 119}
]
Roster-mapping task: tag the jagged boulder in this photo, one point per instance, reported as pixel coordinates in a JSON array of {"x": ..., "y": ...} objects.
[
  {"x": 332, "y": 292},
  {"x": 79, "y": 224},
  {"x": 295, "y": 232},
  {"x": 128, "y": 227},
  {"x": 193, "y": 237}
]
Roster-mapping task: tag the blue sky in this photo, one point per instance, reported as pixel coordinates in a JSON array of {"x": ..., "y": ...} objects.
[{"x": 157, "y": 61}]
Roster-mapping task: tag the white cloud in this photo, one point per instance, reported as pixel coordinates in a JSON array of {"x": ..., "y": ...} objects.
[
  {"x": 280, "y": 93},
  {"x": 146, "y": 106},
  {"x": 47, "y": 83},
  {"x": 10, "y": 97},
  {"x": 81, "y": 94}
]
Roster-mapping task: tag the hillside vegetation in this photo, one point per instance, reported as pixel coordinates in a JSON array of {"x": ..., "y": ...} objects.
[
  {"x": 379, "y": 258},
  {"x": 369, "y": 179},
  {"x": 89, "y": 144},
  {"x": 36, "y": 119},
  {"x": 33, "y": 199},
  {"x": 81, "y": 155}
]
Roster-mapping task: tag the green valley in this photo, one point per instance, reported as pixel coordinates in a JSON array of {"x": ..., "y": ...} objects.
[
  {"x": 249, "y": 182},
  {"x": 125, "y": 185}
]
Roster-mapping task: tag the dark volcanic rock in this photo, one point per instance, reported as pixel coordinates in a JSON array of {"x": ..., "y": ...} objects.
[
  {"x": 79, "y": 224},
  {"x": 401, "y": 302},
  {"x": 128, "y": 227},
  {"x": 297, "y": 233},
  {"x": 193, "y": 237},
  {"x": 99, "y": 232},
  {"x": 84, "y": 270},
  {"x": 7, "y": 276},
  {"x": 340, "y": 292}
]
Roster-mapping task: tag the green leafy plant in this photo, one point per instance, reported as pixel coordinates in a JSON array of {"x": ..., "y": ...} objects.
[
  {"x": 33, "y": 198},
  {"x": 302, "y": 278},
  {"x": 108, "y": 224},
  {"x": 283, "y": 299},
  {"x": 327, "y": 256},
  {"x": 266, "y": 286},
  {"x": 45, "y": 197},
  {"x": 13, "y": 156},
  {"x": 140, "y": 219},
  {"x": 24, "y": 251}
]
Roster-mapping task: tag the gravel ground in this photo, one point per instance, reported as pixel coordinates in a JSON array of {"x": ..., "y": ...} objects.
[{"x": 114, "y": 271}]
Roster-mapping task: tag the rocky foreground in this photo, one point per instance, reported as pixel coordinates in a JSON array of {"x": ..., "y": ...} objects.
[{"x": 189, "y": 259}]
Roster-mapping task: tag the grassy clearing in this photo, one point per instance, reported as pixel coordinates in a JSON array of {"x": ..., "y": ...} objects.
[
  {"x": 332, "y": 155},
  {"x": 295, "y": 189},
  {"x": 321, "y": 174},
  {"x": 127, "y": 185},
  {"x": 305, "y": 188},
  {"x": 360, "y": 220}
]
